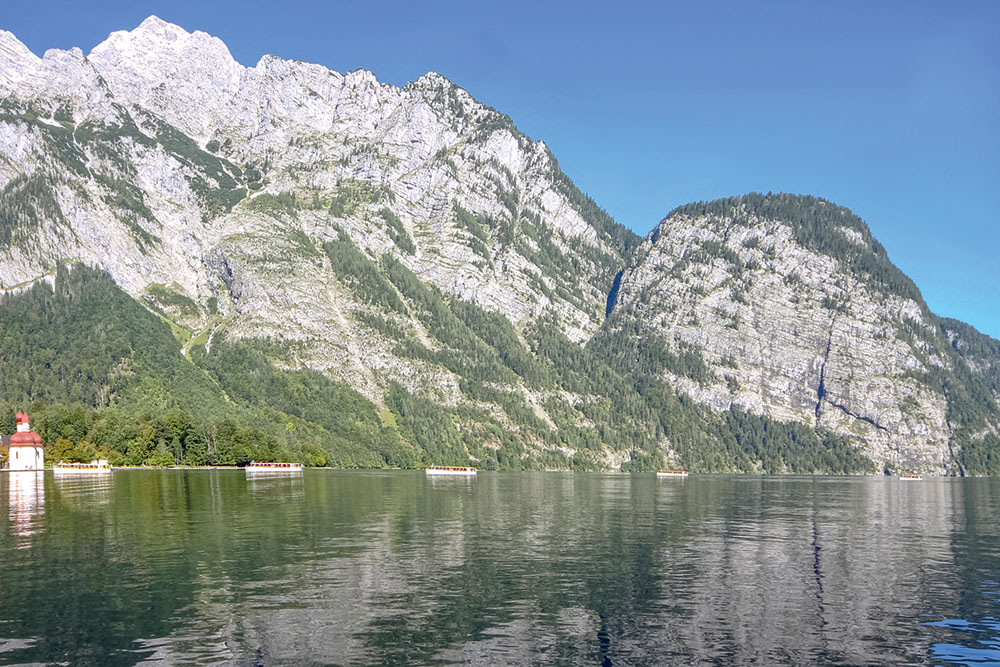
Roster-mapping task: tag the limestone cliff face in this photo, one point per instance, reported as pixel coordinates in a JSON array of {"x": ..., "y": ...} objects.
[
  {"x": 980, "y": 352},
  {"x": 345, "y": 225},
  {"x": 189, "y": 177},
  {"x": 785, "y": 306}
]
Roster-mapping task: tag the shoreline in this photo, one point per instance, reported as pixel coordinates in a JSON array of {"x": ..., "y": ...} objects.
[{"x": 925, "y": 476}]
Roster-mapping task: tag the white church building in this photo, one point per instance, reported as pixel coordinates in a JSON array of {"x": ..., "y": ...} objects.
[{"x": 25, "y": 447}]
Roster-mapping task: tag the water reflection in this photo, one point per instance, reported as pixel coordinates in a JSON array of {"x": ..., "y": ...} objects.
[
  {"x": 346, "y": 568},
  {"x": 451, "y": 481},
  {"x": 84, "y": 490},
  {"x": 26, "y": 504},
  {"x": 11, "y": 645},
  {"x": 979, "y": 642},
  {"x": 277, "y": 487},
  {"x": 971, "y": 642}
]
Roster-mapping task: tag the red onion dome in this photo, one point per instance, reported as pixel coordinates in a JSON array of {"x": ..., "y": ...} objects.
[{"x": 25, "y": 439}]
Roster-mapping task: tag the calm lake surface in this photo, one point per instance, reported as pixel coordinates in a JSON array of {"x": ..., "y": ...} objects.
[{"x": 330, "y": 567}]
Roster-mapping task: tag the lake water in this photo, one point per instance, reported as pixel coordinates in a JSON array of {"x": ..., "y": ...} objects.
[{"x": 332, "y": 567}]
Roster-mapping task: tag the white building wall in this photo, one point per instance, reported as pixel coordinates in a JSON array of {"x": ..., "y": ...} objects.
[{"x": 25, "y": 458}]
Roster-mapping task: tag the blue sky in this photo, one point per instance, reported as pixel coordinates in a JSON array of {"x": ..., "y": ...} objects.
[{"x": 889, "y": 108}]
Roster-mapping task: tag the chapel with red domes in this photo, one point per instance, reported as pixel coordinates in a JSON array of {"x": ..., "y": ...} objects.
[{"x": 25, "y": 447}]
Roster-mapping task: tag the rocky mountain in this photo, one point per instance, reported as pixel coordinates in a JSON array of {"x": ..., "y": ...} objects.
[
  {"x": 158, "y": 146},
  {"x": 399, "y": 273},
  {"x": 786, "y": 306},
  {"x": 326, "y": 218}
]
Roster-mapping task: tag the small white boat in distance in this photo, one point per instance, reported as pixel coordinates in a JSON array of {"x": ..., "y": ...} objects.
[
  {"x": 671, "y": 473},
  {"x": 95, "y": 467},
  {"x": 911, "y": 478},
  {"x": 450, "y": 470},
  {"x": 272, "y": 468}
]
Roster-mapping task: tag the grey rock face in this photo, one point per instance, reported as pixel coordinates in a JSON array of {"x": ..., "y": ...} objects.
[
  {"x": 192, "y": 179},
  {"x": 161, "y": 160},
  {"x": 785, "y": 330}
]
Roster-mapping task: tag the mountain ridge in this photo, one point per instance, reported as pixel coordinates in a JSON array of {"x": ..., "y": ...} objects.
[
  {"x": 412, "y": 245},
  {"x": 786, "y": 306}
]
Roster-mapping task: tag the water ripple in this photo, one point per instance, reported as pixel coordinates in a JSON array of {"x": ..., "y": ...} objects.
[{"x": 363, "y": 568}]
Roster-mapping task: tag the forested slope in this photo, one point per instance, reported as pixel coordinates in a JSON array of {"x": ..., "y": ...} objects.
[
  {"x": 100, "y": 372},
  {"x": 207, "y": 262}
]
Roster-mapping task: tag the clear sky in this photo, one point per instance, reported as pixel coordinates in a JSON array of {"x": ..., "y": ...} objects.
[{"x": 889, "y": 108}]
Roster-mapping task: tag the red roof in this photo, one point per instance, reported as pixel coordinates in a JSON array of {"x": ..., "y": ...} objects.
[{"x": 25, "y": 439}]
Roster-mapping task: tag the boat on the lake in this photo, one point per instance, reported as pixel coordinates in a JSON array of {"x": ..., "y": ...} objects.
[
  {"x": 671, "y": 473},
  {"x": 272, "y": 467},
  {"x": 450, "y": 470},
  {"x": 911, "y": 478},
  {"x": 95, "y": 467}
]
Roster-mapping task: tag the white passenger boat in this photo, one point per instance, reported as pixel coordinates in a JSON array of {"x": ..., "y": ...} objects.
[
  {"x": 95, "y": 467},
  {"x": 671, "y": 473},
  {"x": 450, "y": 470},
  {"x": 910, "y": 478},
  {"x": 272, "y": 468}
]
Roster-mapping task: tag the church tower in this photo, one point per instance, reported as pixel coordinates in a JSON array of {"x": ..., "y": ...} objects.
[{"x": 25, "y": 447}]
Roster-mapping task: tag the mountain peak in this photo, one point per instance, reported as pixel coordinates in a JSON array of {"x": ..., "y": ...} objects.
[
  {"x": 154, "y": 22},
  {"x": 159, "y": 63},
  {"x": 151, "y": 38},
  {"x": 155, "y": 25},
  {"x": 16, "y": 59},
  {"x": 434, "y": 79},
  {"x": 146, "y": 36},
  {"x": 361, "y": 77},
  {"x": 10, "y": 43}
]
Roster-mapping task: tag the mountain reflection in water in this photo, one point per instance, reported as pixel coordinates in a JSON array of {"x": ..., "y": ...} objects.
[{"x": 207, "y": 567}]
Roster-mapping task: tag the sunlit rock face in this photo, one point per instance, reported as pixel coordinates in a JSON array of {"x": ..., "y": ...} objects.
[
  {"x": 160, "y": 159},
  {"x": 286, "y": 204},
  {"x": 785, "y": 306}
]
